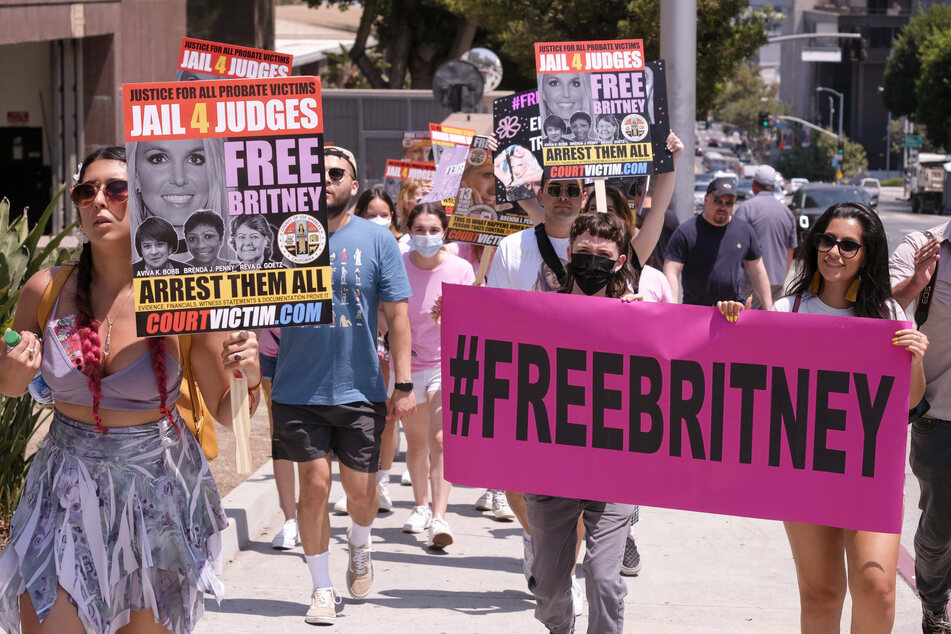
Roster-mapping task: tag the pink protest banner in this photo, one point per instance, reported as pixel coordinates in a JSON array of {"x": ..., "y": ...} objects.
[{"x": 779, "y": 416}]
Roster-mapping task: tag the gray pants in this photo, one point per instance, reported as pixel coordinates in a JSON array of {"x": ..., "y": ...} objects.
[
  {"x": 554, "y": 524},
  {"x": 931, "y": 463}
]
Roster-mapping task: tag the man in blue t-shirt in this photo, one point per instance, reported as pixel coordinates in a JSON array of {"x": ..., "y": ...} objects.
[
  {"x": 710, "y": 250},
  {"x": 329, "y": 396}
]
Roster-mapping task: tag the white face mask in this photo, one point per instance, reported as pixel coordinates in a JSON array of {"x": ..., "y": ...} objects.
[
  {"x": 380, "y": 220},
  {"x": 426, "y": 246}
]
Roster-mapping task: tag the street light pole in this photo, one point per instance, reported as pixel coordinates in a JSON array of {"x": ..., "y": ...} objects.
[{"x": 841, "y": 106}]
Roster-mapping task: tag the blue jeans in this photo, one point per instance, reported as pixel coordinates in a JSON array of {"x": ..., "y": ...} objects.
[
  {"x": 554, "y": 523},
  {"x": 931, "y": 463}
]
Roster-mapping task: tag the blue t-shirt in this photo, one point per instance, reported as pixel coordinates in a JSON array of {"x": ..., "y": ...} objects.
[
  {"x": 337, "y": 363},
  {"x": 713, "y": 259}
]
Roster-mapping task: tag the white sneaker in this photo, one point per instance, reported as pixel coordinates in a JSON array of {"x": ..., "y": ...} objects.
[
  {"x": 404, "y": 479},
  {"x": 322, "y": 607},
  {"x": 440, "y": 535},
  {"x": 528, "y": 558},
  {"x": 341, "y": 506},
  {"x": 419, "y": 520},
  {"x": 386, "y": 502},
  {"x": 577, "y": 596},
  {"x": 287, "y": 537},
  {"x": 501, "y": 508},
  {"x": 484, "y": 503}
]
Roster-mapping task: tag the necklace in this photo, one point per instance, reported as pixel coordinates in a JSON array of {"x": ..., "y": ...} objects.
[{"x": 109, "y": 322}]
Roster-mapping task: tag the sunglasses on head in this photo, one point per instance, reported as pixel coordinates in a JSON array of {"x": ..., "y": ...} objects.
[
  {"x": 82, "y": 194},
  {"x": 571, "y": 191},
  {"x": 847, "y": 248},
  {"x": 336, "y": 174}
]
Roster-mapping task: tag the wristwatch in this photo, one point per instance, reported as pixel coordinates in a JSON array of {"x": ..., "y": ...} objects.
[{"x": 404, "y": 387}]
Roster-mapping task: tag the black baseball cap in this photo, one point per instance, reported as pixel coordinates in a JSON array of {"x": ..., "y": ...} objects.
[{"x": 722, "y": 187}]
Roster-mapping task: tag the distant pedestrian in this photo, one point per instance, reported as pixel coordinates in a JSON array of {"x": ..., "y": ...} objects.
[
  {"x": 710, "y": 251},
  {"x": 775, "y": 228}
]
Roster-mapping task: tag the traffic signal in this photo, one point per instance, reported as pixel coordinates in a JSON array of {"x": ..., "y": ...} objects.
[{"x": 764, "y": 119}]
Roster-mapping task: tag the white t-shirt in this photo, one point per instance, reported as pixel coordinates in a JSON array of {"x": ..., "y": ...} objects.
[
  {"x": 517, "y": 264},
  {"x": 654, "y": 287},
  {"x": 812, "y": 305}
]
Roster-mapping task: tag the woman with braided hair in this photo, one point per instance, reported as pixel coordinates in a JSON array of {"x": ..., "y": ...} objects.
[{"x": 118, "y": 527}]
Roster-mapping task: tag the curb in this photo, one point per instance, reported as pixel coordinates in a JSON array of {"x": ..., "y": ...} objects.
[{"x": 250, "y": 507}]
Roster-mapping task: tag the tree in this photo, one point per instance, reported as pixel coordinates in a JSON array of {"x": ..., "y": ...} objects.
[
  {"x": 418, "y": 35},
  {"x": 815, "y": 161},
  {"x": 934, "y": 88},
  {"x": 900, "y": 85},
  {"x": 744, "y": 97}
]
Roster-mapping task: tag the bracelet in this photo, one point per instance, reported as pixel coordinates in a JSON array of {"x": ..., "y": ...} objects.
[{"x": 252, "y": 400}]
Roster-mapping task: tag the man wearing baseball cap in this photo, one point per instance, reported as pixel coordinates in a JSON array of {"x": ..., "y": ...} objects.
[
  {"x": 329, "y": 398},
  {"x": 710, "y": 251},
  {"x": 775, "y": 229}
]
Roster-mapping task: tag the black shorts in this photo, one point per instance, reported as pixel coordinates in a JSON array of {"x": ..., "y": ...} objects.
[{"x": 352, "y": 431}]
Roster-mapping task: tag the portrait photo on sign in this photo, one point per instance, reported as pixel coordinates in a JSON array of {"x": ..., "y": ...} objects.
[
  {"x": 519, "y": 172},
  {"x": 173, "y": 180}
]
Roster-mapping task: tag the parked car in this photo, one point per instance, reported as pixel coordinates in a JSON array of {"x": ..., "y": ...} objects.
[
  {"x": 873, "y": 188},
  {"x": 796, "y": 183},
  {"x": 812, "y": 199},
  {"x": 744, "y": 189}
]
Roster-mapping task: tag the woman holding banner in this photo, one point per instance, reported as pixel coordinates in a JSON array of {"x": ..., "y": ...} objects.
[
  {"x": 428, "y": 265},
  {"x": 844, "y": 272},
  {"x": 119, "y": 524}
]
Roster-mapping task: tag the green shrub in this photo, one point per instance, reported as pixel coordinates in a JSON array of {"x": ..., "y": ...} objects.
[
  {"x": 897, "y": 181},
  {"x": 21, "y": 257}
]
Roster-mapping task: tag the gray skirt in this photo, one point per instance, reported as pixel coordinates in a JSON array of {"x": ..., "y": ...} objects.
[{"x": 127, "y": 520}]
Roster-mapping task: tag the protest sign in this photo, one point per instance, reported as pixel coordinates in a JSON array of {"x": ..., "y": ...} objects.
[
  {"x": 445, "y": 137},
  {"x": 417, "y": 147},
  {"x": 201, "y": 59},
  {"x": 474, "y": 217},
  {"x": 398, "y": 171},
  {"x": 518, "y": 162},
  {"x": 603, "y": 110},
  {"x": 779, "y": 416},
  {"x": 226, "y": 204}
]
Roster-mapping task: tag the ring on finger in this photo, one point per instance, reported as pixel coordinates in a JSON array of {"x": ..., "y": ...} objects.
[
  {"x": 917, "y": 337},
  {"x": 237, "y": 356},
  {"x": 31, "y": 352}
]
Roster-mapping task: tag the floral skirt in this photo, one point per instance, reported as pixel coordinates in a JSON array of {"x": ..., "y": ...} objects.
[{"x": 126, "y": 520}]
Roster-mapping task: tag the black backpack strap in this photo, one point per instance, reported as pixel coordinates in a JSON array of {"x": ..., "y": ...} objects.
[
  {"x": 548, "y": 253},
  {"x": 924, "y": 300},
  {"x": 798, "y": 301}
]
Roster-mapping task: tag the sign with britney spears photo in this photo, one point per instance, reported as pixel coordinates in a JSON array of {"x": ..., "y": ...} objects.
[
  {"x": 603, "y": 110},
  {"x": 226, "y": 205}
]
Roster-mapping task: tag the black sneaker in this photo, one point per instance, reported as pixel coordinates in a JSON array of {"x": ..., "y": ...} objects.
[
  {"x": 935, "y": 622},
  {"x": 631, "y": 564}
]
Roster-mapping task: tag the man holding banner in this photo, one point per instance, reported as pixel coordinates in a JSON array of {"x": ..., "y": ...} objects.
[
  {"x": 329, "y": 396},
  {"x": 921, "y": 271}
]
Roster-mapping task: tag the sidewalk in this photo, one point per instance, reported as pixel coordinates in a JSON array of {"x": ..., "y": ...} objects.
[{"x": 701, "y": 573}]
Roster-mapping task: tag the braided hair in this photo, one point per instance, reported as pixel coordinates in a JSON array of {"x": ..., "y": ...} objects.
[{"x": 88, "y": 327}]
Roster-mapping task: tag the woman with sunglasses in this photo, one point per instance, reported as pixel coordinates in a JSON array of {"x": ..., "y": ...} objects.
[
  {"x": 843, "y": 271},
  {"x": 118, "y": 526}
]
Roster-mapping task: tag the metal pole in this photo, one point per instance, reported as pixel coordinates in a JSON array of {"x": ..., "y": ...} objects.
[
  {"x": 888, "y": 143},
  {"x": 678, "y": 46}
]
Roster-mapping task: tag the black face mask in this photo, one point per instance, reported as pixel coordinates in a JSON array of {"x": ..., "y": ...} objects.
[{"x": 591, "y": 272}]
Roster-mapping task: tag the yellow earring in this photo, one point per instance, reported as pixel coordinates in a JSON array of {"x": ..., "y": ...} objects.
[
  {"x": 852, "y": 294},
  {"x": 814, "y": 283}
]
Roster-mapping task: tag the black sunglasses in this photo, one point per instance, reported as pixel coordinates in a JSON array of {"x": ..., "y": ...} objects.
[
  {"x": 572, "y": 191},
  {"x": 82, "y": 194},
  {"x": 847, "y": 248},
  {"x": 336, "y": 174}
]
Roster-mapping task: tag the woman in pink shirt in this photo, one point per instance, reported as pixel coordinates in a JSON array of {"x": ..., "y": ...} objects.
[{"x": 428, "y": 265}]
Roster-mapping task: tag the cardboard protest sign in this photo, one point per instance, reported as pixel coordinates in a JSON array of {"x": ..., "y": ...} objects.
[
  {"x": 398, "y": 171},
  {"x": 417, "y": 147},
  {"x": 603, "y": 110},
  {"x": 445, "y": 137},
  {"x": 226, "y": 201},
  {"x": 200, "y": 59},
  {"x": 475, "y": 217},
  {"x": 676, "y": 407},
  {"x": 518, "y": 161}
]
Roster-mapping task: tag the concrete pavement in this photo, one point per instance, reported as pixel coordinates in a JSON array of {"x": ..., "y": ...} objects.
[{"x": 701, "y": 573}]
